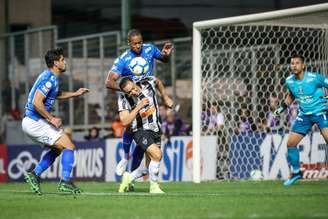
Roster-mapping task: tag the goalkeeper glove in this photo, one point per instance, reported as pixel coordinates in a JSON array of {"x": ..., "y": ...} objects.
[{"x": 280, "y": 110}]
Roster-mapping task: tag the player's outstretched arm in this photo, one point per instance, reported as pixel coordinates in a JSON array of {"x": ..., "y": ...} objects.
[
  {"x": 67, "y": 94},
  {"x": 111, "y": 81},
  {"x": 127, "y": 117},
  {"x": 38, "y": 103},
  {"x": 166, "y": 99}
]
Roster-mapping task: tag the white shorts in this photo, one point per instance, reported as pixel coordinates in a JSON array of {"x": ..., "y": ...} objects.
[{"x": 41, "y": 131}]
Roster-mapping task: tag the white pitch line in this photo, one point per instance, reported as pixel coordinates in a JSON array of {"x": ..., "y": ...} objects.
[{"x": 174, "y": 194}]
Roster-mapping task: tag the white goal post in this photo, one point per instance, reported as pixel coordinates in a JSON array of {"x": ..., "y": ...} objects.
[{"x": 222, "y": 48}]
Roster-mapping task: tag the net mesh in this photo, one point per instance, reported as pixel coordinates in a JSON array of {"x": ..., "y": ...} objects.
[{"x": 243, "y": 73}]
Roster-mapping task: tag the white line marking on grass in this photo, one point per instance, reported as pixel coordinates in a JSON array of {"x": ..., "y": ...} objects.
[{"x": 172, "y": 194}]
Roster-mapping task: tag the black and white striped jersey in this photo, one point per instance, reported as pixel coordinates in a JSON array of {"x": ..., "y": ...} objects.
[{"x": 148, "y": 117}]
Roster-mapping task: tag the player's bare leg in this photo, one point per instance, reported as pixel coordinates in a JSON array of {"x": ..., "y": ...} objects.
[{"x": 324, "y": 133}]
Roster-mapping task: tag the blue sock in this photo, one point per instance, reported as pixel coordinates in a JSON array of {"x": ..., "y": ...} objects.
[
  {"x": 47, "y": 160},
  {"x": 67, "y": 162},
  {"x": 137, "y": 156},
  {"x": 293, "y": 158},
  {"x": 127, "y": 141}
]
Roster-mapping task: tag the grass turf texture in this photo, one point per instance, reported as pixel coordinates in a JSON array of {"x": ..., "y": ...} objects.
[{"x": 228, "y": 199}]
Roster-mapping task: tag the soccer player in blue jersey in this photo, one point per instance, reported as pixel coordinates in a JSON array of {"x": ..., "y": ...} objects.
[
  {"x": 307, "y": 88},
  {"x": 121, "y": 68},
  {"x": 46, "y": 129}
]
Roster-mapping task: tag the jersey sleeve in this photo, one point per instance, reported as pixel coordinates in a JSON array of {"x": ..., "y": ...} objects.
[
  {"x": 287, "y": 85},
  {"x": 156, "y": 52},
  {"x": 118, "y": 66},
  {"x": 122, "y": 102},
  {"x": 323, "y": 82},
  {"x": 45, "y": 86}
]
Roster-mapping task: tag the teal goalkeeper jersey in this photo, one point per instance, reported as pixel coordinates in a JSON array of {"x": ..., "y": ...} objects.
[{"x": 308, "y": 92}]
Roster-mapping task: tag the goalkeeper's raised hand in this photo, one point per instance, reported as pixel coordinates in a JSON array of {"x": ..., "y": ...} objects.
[{"x": 280, "y": 110}]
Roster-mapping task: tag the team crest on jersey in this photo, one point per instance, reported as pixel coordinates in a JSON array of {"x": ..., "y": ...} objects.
[{"x": 300, "y": 90}]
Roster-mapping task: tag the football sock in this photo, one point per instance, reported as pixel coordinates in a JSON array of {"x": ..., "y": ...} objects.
[
  {"x": 127, "y": 141},
  {"x": 47, "y": 160},
  {"x": 67, "y": 162},
  {"x": 293, "y": 158},
  {"x": 140, "y": 172},
  {"x": 153, "y": 171},
  {"x": 137, "y": 157}
]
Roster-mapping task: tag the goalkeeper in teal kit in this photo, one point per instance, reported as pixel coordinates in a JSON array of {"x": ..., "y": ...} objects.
[{"x": 307, "y": 88}]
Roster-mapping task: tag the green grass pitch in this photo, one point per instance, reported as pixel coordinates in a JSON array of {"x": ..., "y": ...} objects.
[{"x": 226, "y": 199}]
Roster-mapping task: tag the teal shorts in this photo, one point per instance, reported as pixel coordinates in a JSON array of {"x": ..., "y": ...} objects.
[{"x": 303, "y": 124}]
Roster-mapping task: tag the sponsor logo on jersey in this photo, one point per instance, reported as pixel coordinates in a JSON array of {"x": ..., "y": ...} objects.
[{"x": 148, "y": 112}]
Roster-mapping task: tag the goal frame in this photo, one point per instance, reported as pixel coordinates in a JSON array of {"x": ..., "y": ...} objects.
[{"x": 197, "y": 63}]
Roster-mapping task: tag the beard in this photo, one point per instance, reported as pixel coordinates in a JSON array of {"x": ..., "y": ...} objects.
[{"x": 62, "y": 70}]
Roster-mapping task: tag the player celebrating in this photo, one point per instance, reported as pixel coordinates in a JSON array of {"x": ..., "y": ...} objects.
[
  {"x": 44, "y": 128},
  {"x": 121, "y": 67},
  {"x": 138, "y": 107},
  {"x": 307, "y": 89}
]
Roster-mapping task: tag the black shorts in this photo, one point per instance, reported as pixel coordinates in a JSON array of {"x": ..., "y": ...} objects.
[{"x": 145, "y": 138}]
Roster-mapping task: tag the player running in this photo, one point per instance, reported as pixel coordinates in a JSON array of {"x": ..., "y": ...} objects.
[{"x": 46, "y": 129}]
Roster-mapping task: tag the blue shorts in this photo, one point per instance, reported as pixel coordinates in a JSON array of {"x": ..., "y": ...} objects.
[{"x": 303, "y": 124}]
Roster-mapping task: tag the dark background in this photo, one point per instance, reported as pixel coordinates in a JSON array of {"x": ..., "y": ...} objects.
[{"x": 156, "y": 19}]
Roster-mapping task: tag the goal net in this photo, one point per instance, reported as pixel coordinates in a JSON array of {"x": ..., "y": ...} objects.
[{"x": 239, "y": 69}]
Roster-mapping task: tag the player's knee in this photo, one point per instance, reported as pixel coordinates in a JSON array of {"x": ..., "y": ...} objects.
[
  {"x": 65, "y": 142},
  {"x": 291, "y": 143},
  {"x": 157, "y": 156},
  {"x": 70, "y": 146}
]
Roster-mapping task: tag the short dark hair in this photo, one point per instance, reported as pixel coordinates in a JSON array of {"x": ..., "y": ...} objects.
[
  {"x": 133, "y": 32},
  {"x": 297, "y": 56},
  {"x": 124, "y": 81},
  {"x": 53, "y": 55}
]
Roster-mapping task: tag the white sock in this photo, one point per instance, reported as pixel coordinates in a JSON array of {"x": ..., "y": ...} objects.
[
  {"x": 139, "y": 172},
  {"x": 153, "y": 171}
]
